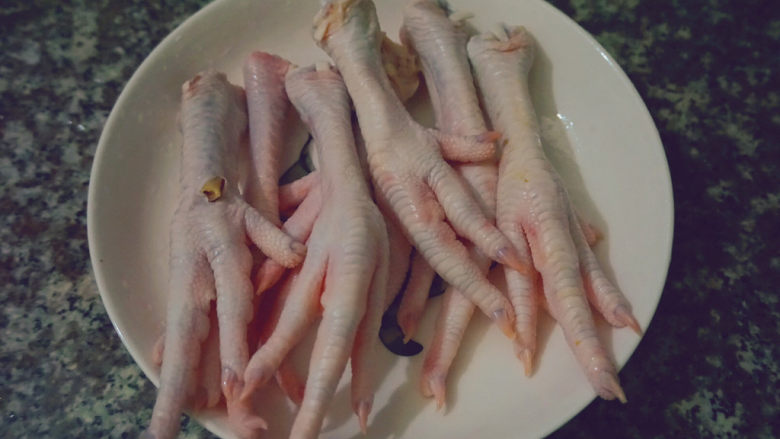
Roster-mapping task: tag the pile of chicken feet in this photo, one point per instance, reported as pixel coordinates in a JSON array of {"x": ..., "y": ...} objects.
[{"x": 389, "y": 196}]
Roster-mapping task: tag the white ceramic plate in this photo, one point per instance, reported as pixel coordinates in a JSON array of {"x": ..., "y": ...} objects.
[{"x": 596, "y": 128}]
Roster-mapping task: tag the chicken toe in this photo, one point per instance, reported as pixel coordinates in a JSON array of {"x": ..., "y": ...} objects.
[
  {"x": 532, "y": 202},
  {"x": 351, "y": 232},
  {"x": 410, "y": 175},
  {"x": 209, "y": 257}
]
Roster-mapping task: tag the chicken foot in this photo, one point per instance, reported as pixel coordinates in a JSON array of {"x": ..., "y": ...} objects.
[
  {"x": 411, "y": 178},
  {"x": 209, "y": 257},
  {"x": 440, "y": 42},
  {"x": 347, "y": 260},
  {"x": 534, "y": 206}
]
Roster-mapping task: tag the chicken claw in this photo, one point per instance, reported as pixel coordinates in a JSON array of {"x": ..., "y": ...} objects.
[
  {"x": 440, "y": 42},
  {"x": 347, "y": 259},
  {"x": 429, "y": 200},
  {"x": 533, "y": 205},
  {"x": 209, "y": 257}
]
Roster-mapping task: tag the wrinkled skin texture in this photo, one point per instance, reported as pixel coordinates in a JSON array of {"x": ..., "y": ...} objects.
[
  {"x": 441, "y": 45},
  {"x": 534, "y": 207},
  {"x": 210, "y": 258},
  {"x": 345, "y": 273},
  {"x": 426, "y": 197},
  {"x": 268, "y": 109},
  {"x": 270, "y": 114},
  {"x": 298, "y": 226}
]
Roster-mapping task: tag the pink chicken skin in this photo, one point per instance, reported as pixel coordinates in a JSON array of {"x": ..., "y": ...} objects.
[
  {"x": 441, "y": 45},
  {"x": 345, "y": 272},
  {"x": 209, "y": 255},
  {"x": 302, "y": 197},
  {"x": 269, "y": 112},
  {"x": 268, "y": 109},
  {"x": 415, "y": 295},
  {"x": 299, "y": 226},
  {"x": 534, "y": 206},
  {"x": 412, "y": 180},
  {"x": 269, "y": 312}
]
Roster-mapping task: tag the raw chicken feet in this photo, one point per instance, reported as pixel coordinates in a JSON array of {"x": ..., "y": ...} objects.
[
  {"x": 410, "y": 176},
  {"x": 209, "y": 257},
  {"x": 347, "y": 260},
  {"x": 534, "y": 206}
]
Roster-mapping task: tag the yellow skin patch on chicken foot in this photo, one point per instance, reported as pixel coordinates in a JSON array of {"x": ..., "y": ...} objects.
[{"x": 212, "y": 189}]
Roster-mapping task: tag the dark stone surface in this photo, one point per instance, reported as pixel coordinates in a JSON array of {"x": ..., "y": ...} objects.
[{"x": 707, "y": 69}]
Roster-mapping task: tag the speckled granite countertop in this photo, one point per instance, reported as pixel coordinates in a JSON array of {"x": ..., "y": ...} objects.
[{"x": 707, "y": 69}]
